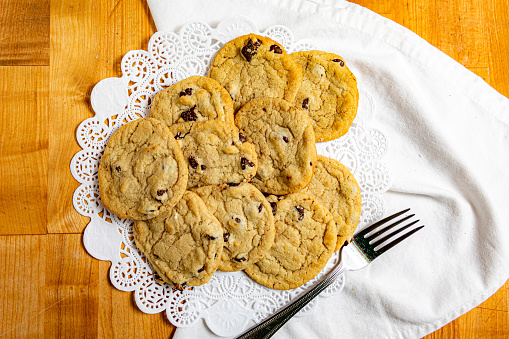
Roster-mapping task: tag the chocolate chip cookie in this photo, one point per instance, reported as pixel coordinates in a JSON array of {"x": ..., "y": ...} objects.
[
  {"x": 142, "y": 171},
  {"x": 305, "y": 240},
  {"x": 248, "y": 224},
  {"x": 253, "y": 66},
  {"x": 285, "y": 143},
  {"x": 215, "y": 154},
  {"x": 336, "y": 188},
  {"x": 184, "y": 244},
  {"x": 328, "y": 93},
  {"x": 192, "y": 100}
]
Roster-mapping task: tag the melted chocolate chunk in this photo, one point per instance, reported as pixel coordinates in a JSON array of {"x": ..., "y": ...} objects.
[
  {"x": 276, "y": 49},
  {"x": 189, "y": 115},
  {"x": 210, "y": 237},
  {"x": 240, "y": 259},
  {"x": 226, "y": 236},
  {"x": 187, "y": 91},
  {"x": 233, "y": 184},
  {"x": 300, "y": 209},
  {"x": 192, "y": 162},
  {"x": 237, "y": 220},
  {"x": 260, "y": 208},
  {"x": 274, "y": 207},
  {"x": 244, "y": 163},
  {"x": 161, "y": 192},
  {"x": 242, "y": 138},
  {"x": 285, "y": 139},
  {"x": 341, "y": 62},
  {"x": 201, "y": 269},
  {"x": 118, "y": 168},
  {"x": 305, "y": 103},
  {"x": 250, "y": 49},
  {"x": 203, "y": 167}
]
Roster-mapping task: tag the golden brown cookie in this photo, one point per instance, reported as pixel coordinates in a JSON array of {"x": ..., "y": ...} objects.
[
  {"x": 142, "y": 171},
  {"x": 328, "y": 93},
  {"x": 216, "y": 155},
  {"x": 184, "y": 244},
  {"x": 248, "y": 224},
  {"x": 285, "y": 143},
  {"x": 191, "y": 100},
  {"x": 305, "y": 240},
  {"x": 253, "y": 66},
  {"x": 336, "y": 188}
]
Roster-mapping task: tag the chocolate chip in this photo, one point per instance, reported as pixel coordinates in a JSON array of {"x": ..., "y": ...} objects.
[
  {"x": 226, "y": 236},
  {"x": 244, "y": 162},
  {"x": 242, "y": 138},
  {"x": 240, "y": 259},
  {"x": 274, "y": 207},
  {"x": 189, "y": 115},
  {"x": 233, "y": 184},
  {"x": 305, "y": 103},
  {"x": 250, "y": 49},
  {"x": 341, "y": 62},
  {"x": 237, "y": 220},
  {"x": 192, "y": 162},
  {"x": 201, "y": 269},
  {"x": 203, "y": 167},
  {"x": 161, "y": 192},
  {"x": 179, "y": 136},
  {"x": 310, "y": 164},
  {"x": 151, "y": 211},
  {"x": 118, "y": 168},
  {"x": 260, "y": 208},
  {"x": 276, "y": 49},
  {"x": 210, "y": 237},
  {"x": 300, "y": 209},
  {"x": 187, "y": 91},
  {"x": 285, "y": 139}
]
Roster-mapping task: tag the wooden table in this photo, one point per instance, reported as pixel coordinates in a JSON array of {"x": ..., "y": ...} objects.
[{"x": 52, "y": 53}]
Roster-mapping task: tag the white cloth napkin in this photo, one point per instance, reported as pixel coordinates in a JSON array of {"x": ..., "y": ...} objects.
[{"x": 448, "y": 153}]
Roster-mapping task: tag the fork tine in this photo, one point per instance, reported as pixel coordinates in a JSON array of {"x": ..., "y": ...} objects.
[
  {"x": 387, "y": 228},
  {"x": 393, "y": 233},
  {"x": 398, "y": 240},
  {"x": 381, "y": 222}
]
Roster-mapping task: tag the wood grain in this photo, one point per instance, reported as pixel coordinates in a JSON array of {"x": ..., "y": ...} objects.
[
  {"x": 23, "y": 149},
  {"x": 49, "y": 286},
  {"x": 24, "y": 32},
  {"x": 53, "y": 291}
]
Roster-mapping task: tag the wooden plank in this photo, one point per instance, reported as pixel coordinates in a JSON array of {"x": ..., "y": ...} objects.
[
  {"x": 21, "y": 287},
  {"x": 57, "y": 290},
  {"x": 23, "y": 149},
  {"x": 24, "y": 32},
  {"x": 88, "y": 41}
]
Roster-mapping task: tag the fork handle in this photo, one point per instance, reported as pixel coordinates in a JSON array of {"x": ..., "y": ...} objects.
[{"x": 271, "y": 325}]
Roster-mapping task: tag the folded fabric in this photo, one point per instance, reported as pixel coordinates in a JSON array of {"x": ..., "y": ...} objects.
[{"x": 448, "y": 137}]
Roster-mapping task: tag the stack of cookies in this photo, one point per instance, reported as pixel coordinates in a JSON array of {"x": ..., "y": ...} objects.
[{"x": 225, "y": 175}]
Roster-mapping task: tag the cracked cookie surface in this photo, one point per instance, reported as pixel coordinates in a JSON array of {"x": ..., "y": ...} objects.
[
  {"x": 336, "y": 188},
  {"x": 253, "y": 66},
  {"x": 328, "y": 93},
  {"x": 285, "y": 143},
  {"x": 248, "y": 223},
  {"x": 192, "y": 100},
  {"x": 216, "y": 155},
  {"x": 304, "y": 242},
  {"x": 184, "y": 244},
  {"x": 142, "y": 170}
]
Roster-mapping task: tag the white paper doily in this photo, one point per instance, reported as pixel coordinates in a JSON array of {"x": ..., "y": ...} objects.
[{"x": 230, "y": 302}]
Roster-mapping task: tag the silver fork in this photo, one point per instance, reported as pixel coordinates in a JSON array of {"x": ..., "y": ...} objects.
[{"x": 365, "y": 247}]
